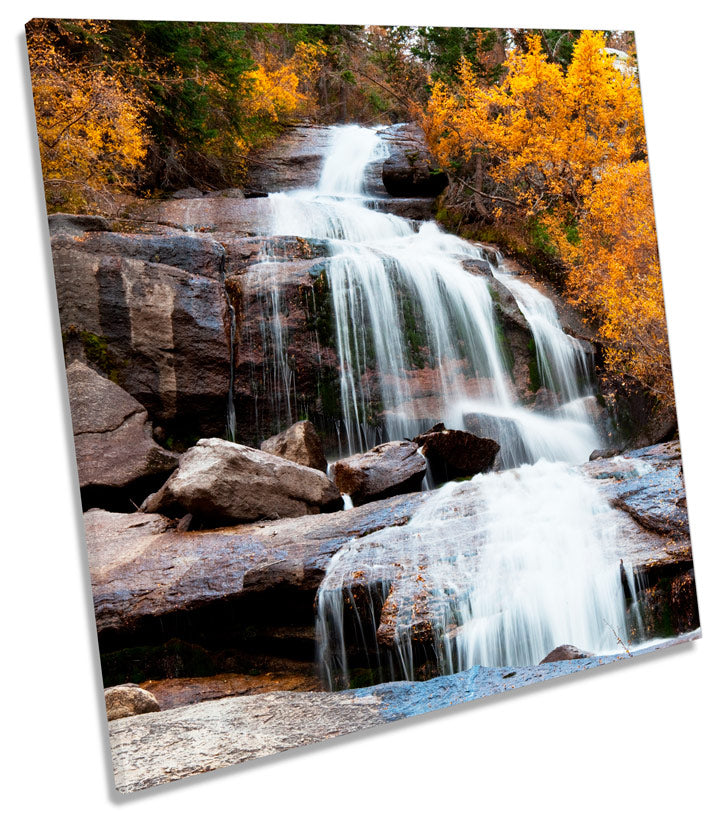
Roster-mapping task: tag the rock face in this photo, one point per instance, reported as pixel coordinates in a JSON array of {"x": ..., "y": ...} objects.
[
  {"x": 294, "y": 161},
  {"x": 300, "y": 443},
  {"x": 647, "y": 484},
  {"x": 155, "y": 748},
  {"x": 142, "y": 567},
  {"x": 129, "y": 700},
  {"x": 409, "y": 169},
  {"x": 221, "y": 482},
  {"x": 113, "y": 443},
  {"x": 452, "y": 453},
  {"x": 389, "y": 469},
  {"x": 160, "y": 331},
  {"x": 566, "y": 652}
]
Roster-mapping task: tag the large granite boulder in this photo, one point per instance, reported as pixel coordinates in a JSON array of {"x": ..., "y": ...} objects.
[
  {"x": 386, "y": 470},
  {"x": 222, "y": 482},
  {"x": 129, "y": 700},
  {"x": 199, "y": 255},
  {"x": 300, "y": 443},
  {"x": 113, "y": 442},
  {"x": 453, "y": 453}
]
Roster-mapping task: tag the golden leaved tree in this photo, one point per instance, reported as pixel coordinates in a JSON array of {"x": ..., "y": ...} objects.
[
  {"x": 565, "y": 152},
  {"x": 90, "y": 124}
]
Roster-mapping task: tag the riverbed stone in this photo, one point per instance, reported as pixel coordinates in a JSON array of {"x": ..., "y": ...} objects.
[
  {"x": 565, "y": 652},
  {"x": 386, "y": 470},
  {"x": 129, "y": 700},
  {"x": 222, "y": 482}
]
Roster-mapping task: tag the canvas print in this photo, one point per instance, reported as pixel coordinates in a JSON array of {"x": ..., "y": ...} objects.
[{"x": 368, "y": 371}]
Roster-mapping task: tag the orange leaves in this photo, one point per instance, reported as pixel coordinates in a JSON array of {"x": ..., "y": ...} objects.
[
  {"x": 568, "y": 149},
  {"x": 547, "y": 134},
  {"x": 615, "y": 274},
  {"x": 90, "y": 125}
]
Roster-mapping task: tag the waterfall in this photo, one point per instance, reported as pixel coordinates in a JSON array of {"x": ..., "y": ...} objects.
[
  {"x": 417, "y": 339},
  {"x": 497, "y": 570}
]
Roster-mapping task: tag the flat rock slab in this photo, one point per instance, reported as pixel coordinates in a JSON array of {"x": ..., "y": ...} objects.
[
  {"x": 648, "y": 485},
  {"x": 153, "y": 749},
  {"x": 176, "y": 692},
  {"x": 141, "y": 566},
  {"x": 210, "y": 735}
]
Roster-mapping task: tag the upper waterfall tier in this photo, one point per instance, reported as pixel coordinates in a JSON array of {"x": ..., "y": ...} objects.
[{"x": 407, "y": 312}]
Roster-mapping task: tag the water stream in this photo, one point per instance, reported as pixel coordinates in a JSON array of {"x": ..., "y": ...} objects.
[{"x": 510, "y": 564}]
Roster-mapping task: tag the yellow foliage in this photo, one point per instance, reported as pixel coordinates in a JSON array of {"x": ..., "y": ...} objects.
[
  {"x": 614, "y": 273},
  {"x": 567, "y": 150},
  {"x": 90, "y": 124}
]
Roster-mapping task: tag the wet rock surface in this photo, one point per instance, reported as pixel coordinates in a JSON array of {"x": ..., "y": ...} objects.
[
  {"x": 386, "y": 470},
  {"x": 220, "y": 482},
  {"x": 153, "y": 749},
  {"x": 452, "y": 453},
  {"x": 300, "y": 443},
  {"x": 141, "y": 567},
  {"x": 647, "y": 484}
]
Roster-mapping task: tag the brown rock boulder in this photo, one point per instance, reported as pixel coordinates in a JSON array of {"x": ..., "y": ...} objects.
[
  {"x": 300, "y": 443},
  {"x": 453, "y": 453},
  {"x": 221, "y": 482},
  {"x": 113, "y": 442},
  {"x": 390, "y": 469},
  {"x": 566, "y": 652},
  {"x": 128, "y": 700}
]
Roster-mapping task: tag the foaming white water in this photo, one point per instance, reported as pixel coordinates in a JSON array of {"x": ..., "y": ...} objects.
[
  {"x": 496, "y": 571},
  {"x": 351, "y": 149},
  {"x": 500, "y": 569}
]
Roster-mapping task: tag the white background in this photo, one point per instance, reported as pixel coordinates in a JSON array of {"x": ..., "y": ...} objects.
[{"x": 636, "y": 739}]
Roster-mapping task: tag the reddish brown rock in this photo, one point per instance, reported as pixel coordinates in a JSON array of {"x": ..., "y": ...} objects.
[
  {"x": 453, "y": 453},
  {"x": 113, "y": 442},
  {"x": 300, "y": 443},
  {"x": 566, "y": 652},
  {"x": 389, "y": 469}
]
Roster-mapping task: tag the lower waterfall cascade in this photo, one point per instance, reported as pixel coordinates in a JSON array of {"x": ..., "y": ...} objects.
[{"x": 497, "y": 570}]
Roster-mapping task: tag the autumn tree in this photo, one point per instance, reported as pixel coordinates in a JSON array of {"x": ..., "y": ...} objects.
[
  {"x": 91, "y": 129},
  {"x": 562, "y": 153}
]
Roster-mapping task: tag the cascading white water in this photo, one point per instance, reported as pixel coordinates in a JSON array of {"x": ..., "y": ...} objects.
[
  {"x": 417, "y": 338},
  {"x": 503, "y": 569},
  {"x": 512, "y": 563}
]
